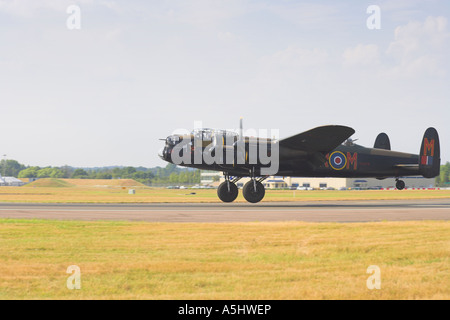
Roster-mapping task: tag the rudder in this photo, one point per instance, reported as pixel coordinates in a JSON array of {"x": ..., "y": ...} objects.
[{"x": 430, "y": 154}]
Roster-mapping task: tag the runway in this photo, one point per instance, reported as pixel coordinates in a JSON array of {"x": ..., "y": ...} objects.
[{"x": 318, "y": 211}]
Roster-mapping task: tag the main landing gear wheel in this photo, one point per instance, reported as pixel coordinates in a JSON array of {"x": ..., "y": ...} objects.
[
  {"x": 400, "y": 184},
  {"x": 227, "y": 191},
  {"x": 253, "y": 191}
]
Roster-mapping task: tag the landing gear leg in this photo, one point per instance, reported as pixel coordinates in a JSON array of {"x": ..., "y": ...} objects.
[
  {"x": 227, "y": 190},
  {"x": 400, "y": 184},
  {"x": 254, "y": 190}
]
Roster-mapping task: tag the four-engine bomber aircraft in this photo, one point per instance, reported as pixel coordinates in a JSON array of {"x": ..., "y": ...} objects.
[{"x": 325, "y": 151}]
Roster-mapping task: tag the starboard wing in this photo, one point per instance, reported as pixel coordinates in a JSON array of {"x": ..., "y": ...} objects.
[{"x": 321, "y": 139}]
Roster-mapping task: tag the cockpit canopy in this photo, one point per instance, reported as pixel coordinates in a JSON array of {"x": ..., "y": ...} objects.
[{"x": 207, "y": 134}]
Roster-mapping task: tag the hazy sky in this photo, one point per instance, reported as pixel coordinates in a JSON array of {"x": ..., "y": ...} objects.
[{"x": 137, "y": 70}]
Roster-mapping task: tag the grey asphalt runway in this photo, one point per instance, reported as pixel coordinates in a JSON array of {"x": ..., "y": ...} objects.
[{"x": 319, "y": 211}]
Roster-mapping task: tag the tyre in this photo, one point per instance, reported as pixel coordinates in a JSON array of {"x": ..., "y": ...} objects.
[
  {"x": 400, "y": 185},
  {"x": 227, "y": 195},
  {"x": 252, "y": 195}
]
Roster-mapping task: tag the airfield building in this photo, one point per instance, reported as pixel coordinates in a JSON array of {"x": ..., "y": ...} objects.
[
  {"x": 210, "y": 178},
  {"x": 10, "y": 182},
  {"x": 340, "y": 183}
]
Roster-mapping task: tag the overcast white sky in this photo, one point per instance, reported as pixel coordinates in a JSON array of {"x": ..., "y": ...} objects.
[{"x": 137, "y": 70}]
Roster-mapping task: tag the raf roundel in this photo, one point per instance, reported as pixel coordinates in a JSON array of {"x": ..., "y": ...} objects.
[{"x": 338, "y": 160}]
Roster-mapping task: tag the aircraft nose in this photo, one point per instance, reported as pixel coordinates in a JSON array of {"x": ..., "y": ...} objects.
[{"x": 161, "y": 153}]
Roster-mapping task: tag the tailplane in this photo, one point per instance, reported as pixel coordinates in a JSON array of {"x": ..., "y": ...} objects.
[{"x": 430, "y": 154}]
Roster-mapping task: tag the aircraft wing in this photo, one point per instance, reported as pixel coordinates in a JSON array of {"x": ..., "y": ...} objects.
[{"x": 321, "y": 139}]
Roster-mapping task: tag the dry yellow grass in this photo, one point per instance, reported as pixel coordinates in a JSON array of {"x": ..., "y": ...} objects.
[
  {"x": 80, "y": 193},
  {"x": 103, "y": 183},
  {"x": 286, "y": 260}
]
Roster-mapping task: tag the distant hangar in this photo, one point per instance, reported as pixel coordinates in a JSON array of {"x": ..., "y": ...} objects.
[
  {"x": 275, "y": 182},
  {"x": 10, "y": 182}
]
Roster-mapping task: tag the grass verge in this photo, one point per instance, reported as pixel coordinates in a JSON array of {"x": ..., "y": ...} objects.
[
  {"x": 283, "y": 260},
  {"x": 89, "y": 194}
]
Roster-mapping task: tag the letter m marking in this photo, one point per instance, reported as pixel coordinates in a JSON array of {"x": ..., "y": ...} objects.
[
  {"x": 352, "y": 159},
  {"x": 428, "y": 147}
]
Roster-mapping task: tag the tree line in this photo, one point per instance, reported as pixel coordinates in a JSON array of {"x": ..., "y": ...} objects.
[
  {"x": 171, "y": 174},
  {"x": 443, "y": 180}
]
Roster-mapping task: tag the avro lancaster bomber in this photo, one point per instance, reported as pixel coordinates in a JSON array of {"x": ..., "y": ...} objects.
[{"x": 326, "y": 151}]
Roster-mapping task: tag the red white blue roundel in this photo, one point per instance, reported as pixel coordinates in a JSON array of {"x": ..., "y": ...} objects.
[{"x": 338, "y": 160}]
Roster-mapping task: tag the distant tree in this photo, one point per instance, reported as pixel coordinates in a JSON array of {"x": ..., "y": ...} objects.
[
  {"x": 50, "y": 172},
  {"x": 170, "y": 174},
  {"x": 173, "y": 178},
  {"x": 57, "y": 173},
  {"x": 10, "y": 168},
  {"x": 117, "y": 173},
  {"x": 143, "y": 177},
  {"x": 79, "y": 174},
  {"x": 103, "y": 175},
  {"x": 170, "y": 168},
  {"x": 30, "y": 172},
  {"x": 444, "y": 176},
  {"x": 44, "y": 172},
  {"x": 67, "y": 171},
  {"x": 128, "y": 171}
]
